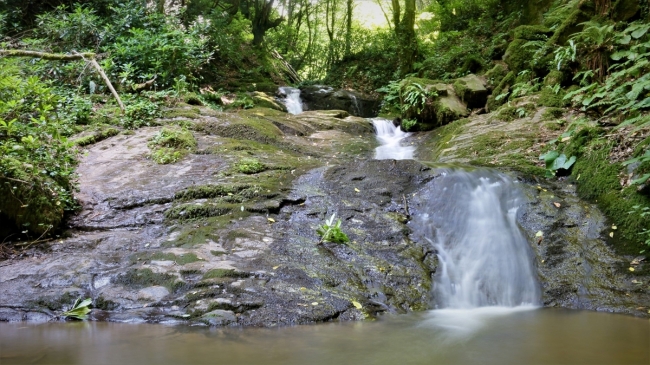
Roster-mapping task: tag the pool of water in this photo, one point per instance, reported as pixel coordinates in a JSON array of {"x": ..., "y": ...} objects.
[{"x": 488, "y": 335}]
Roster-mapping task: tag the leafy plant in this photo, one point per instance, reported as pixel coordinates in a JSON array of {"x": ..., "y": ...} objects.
[
  {"x": 414, "y": 96},
  {"x": 643, "y": 158},
  {"x": 331, "y": 231},
  {"x": 79, "y": 309},
  {"x": 555, "y": 161},
  {"x": 391, "y": 99},
  {"x": 250, "y": 166}
]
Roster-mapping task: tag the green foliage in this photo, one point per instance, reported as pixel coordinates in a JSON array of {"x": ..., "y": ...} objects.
[
  {"x": 79, "y": 310},
  {"x": 391, "y": 98},
  {"x": 409, "y": 124},
  {"x": 555, "y": 162},
  {"x": 330, "y": 231},
  {"x": 639, "y": 159},
  {"x": 139, "y": 112},
  {"x": 36, "y": 159},
  {"x": 171, "y": 144},
  {"x": 414, "y": 97},
  {"x": 250, "y": 166},
  {"x": 624, "y": 93},
  {"x": 63, "y": 30},
  {"x": 644, "y": 233}
]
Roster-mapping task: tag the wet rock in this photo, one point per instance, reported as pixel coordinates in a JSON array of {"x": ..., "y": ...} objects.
[
  {"x": 319, "y": 97},
  {"x": 471, "y": 90}
]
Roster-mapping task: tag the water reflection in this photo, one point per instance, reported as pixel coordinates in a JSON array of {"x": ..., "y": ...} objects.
[{"x": 544, "y": 336}]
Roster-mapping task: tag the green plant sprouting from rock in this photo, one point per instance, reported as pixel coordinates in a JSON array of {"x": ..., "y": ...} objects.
[
  {"x": 79, "y": 309},
  {"x": 330, "y": 231}
]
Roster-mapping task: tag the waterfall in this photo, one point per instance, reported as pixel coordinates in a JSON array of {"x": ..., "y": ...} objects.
[
  {"x": 390, "y": 138},
  {"x": 484, "y": 259},
  {"x": 357, "y": 106},
  {"x": 292, "y": 99}
]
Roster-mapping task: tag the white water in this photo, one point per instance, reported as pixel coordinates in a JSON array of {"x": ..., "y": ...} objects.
[
  {"x": 390, "y": 137},
  {"x": 292, "y": 100},
  {"x": 485, "y": 263}
]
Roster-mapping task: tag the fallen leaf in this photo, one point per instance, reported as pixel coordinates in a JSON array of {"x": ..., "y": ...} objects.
[
  {"x": 275, "y": 267},
  {"x": 271, "y": 220},
  {"x": 614, "y": 227},
  {"x": 357, "y": 304},
  {"x": 637, "y": 260},
  {"x": 611, "y": 234},
  {"x": 357, "y": 190},
  {"x": 543, "y": 261},
  {"x": 557, "y": 204},
  {"x": 314, "y": 303},
  {"x": 539, "y": 234},
  {"x": 302, "y": 288},
  {"x": 631, "y": 269}
]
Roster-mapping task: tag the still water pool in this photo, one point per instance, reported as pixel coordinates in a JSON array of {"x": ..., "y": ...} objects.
[{"x": 489, "y": 335}]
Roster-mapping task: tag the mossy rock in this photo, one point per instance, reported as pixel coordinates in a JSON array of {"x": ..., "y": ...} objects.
[
  {"x": 438, "y": 110},
  {"x": 581, "y": 12},
  {"x": 532, "y": 32},
  {"x": 518, "y": 56},
  {"x": 171, "y": 144},
  {"x": 624, "y": 10},
  {"x": 496, "y": 74},
  {"x": 471, "y": 91},
  {"x": 503, "y": 87},
  {"x": 511, "y": 113},
  {"x": 552, "y": 114},
  {"x": 96, "y": 136},
  {"x": 548, "y": 97},
  {"x": 553, "y": 78},
  {"x": 265, "y": 101},
  {"x": 243, "y": 127}
]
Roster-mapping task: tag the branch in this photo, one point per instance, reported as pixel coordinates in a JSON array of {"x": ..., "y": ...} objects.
[
  {"x": 45, "y": 55},
  {"x": 88, "y": 57}
]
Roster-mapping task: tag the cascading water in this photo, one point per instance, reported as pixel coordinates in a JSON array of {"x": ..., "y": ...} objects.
[
  {"x": 484, "y": 258},
  {"x": 292, "y": 99},
  {"x": 390, "y": 138},
  {"x": 484, "y": 261}
]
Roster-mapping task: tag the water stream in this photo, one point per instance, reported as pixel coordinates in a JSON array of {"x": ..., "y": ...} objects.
[
  {"x": 391, "y": 141},
  {"x": 485, "y": 289},
  {"x": 292, "y": 99}
]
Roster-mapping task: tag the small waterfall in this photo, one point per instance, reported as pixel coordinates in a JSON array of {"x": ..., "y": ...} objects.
[
  {"x": 357, "y": 106},
  {"x": 484, "y": 259},
  {"x": 292, "y": 99},
  {"x": 390, "y": 137}
]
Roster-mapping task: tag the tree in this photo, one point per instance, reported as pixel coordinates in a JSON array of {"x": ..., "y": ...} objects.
[
  {"x": 260, "y": 13},
  {"x": 404, "y": 26}
]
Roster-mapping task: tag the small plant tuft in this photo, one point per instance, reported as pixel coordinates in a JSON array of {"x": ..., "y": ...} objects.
[
  {"x": 79, "y": 309},
  {"x": 331, "y": 232}
]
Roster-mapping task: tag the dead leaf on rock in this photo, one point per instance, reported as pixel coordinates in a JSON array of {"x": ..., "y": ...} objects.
[{"x": 557, "y": 204}]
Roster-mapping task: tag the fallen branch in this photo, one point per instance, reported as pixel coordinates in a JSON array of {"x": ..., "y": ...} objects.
[{"x": 87, "y": 56}]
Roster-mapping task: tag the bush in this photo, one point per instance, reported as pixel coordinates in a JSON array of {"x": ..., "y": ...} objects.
[{"x": 36, "y": 159}]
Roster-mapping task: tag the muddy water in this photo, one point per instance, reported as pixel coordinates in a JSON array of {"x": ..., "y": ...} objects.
[{"x": 506, "y": 336}]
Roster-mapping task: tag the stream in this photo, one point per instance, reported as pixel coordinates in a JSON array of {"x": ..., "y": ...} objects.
[{"x": 487, "y": 302}]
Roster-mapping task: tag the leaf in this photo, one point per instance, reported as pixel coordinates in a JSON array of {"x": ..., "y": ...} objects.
[
  {"x": 640, "y": 32},
  {"x": 557, "y": 205},
  {"x": 271, "y": 220},
  {"x": 625, "y": 40},
  {"x": 357, "y": 190},
  {"x": 539, "y": 234},
  {"x": 549, "y": 157},
  {"x": 357, "y": 304}
]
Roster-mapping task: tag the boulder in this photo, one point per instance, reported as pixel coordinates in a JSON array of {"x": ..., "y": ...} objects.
[
  {"x": 320, "y": 97},
  {"x": 441, "y": 107},
  {"x": 266, "y": 101},
  {"x": 471, "y": 90}
]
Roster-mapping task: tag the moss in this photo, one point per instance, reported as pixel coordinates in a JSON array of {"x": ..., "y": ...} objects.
[
  {"x": 96, "y": 136},
  {"x": 496, "y": 74},
  {"x": 244, "y": 128},
  {"x": 163, "y": 256},
  {"x": 193, "y": 211},
  {"x": 552, "y": 114},
  {"x": 210, "y": 191},
  {"x": 442, "y": 136},
  {"x": 502, "y": 88},
  {"x": 582, "y": 11},
  {"x": 472, "y": 64},
  {"x": 511, "y": 113},
  {"x": 171, "y": 144},
  {"x": 192, "y": 99},
  {"x": 250, "y": 166},
  {"x": 182, "y": 113},
  {"x": 532, "y": 32},
  {"x": 553, "y": 78},
  {"x": 551, "y": 99},
  {"x": 143, "y": 278},
  {"x": 518, "y": 56},
  {"x": 225, "y": 273}
]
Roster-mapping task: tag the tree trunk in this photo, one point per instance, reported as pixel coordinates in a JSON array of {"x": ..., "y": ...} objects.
[
  {"x": 348, "y": 28},
  {"x": 405, "y": 34}
]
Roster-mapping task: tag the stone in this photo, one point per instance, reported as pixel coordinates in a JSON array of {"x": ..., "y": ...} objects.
[
  {"x": 471, "y": 90},
  {"x": 265, "y": 101},
  {"x": 320, "y": 97},
  {"x": 219, "y": 317},
  {"x": 155, "y": 293}
]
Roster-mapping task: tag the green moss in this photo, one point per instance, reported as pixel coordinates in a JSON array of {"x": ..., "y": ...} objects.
[
  {"x": 244, "y": 128},
  {"x": 442, "y": 136},
  {"x": 162, "y": 256},
  {"x": 532, "y": 32},
  {"x": 552, "y": 114},
  {"x": 518, "y": 56},
  {"x": 511, "y": 113},
  {"x": 192, "y": 99},
  {"x": 143, "y": 278},
  {"x": 553, "y": 78},
  {"x": 502, "y": 88},
  {"x": 171, "y": 144},
  {"x": 496, "y": 74},
  {"x": 96, "y": 136},
  {"x": 225, "y": 273},
  {"x": 193, "y": 113},
  {"x": 193, "y": 211},
  {"x": 210, "y": 191},
  {"x": 551, "y": 99},
  {"x": 250, "y": 166}
]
